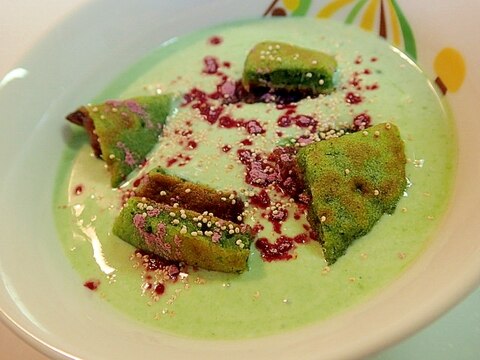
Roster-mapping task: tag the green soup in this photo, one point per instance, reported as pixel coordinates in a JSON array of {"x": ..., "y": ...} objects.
[{"x": 272, "y": 296}]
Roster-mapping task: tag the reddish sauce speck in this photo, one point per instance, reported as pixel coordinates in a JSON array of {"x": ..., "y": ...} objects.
[
  {"x": 91, "y": 284},
  {"x": 253, "y": 127},
  {"x": 194, "y": 95},
  {"x": 215, "y": 40},
  {"x": 279, "y": 250},
  {"x": 257, "y": 228},
  {"x": 289, "y": 180},
  {"x": 226, "y": 148},
  {"x": 261, "y": 200},
  {"x": 246, "y": 142},
  {"x": 159, "y": 289},
  {"x": 212, "y": 113},
  {"x": 290, "y": 118},
  {"x": 277, "y": 226},
  {"x": 228, "y": 122},
  {"x": 304, "y": 121},
  {"x": 78, "y": 190},
  {"x": 210, "y": 65},
  {"x": 245, "y": 156},
  {"x": 276, "y": 218},
  {"x": 180, "y": 160},
  {"x": 279, "y": 168},
  {"x": 352, "y": 98},
  {"x": 137, "y": 181},
  {"x": 184, "y": 132},
  {"x": 292, "y": 107},
  {"x": 284, "y": 121},
  {"x": 171, "y": 161},
  {"x": 361, "y": 121},
  {"x": 185, "y": 160},
  {"x": 198, "y": 99},
  {"x": 301, "y": 239},
  {"x": 152, "y": 262},
  {"x": 143, "y": 163},
  {"x": 192, "y": 145},
  {"x": 153, "y": 265}
]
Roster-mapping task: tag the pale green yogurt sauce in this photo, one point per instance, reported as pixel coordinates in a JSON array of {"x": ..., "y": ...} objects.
[{"x": 272, "y": 296}]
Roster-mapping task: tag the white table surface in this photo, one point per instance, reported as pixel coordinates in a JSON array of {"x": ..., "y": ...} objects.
[{"x": 456, "y": 335}]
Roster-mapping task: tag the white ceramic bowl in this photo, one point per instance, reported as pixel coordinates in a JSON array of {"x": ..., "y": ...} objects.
[{"x": 38, "y": 297}]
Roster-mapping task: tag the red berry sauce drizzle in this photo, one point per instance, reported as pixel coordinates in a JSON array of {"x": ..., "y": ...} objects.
[
  {"x": 276, "y": 172},
  {"x": 356, "y": 90},
  {"x": 281, "y": 191},
  {"x": 92, "y": 284},
  {"x": 78, "y": 189},
  {"x": 157, "y": 272}
]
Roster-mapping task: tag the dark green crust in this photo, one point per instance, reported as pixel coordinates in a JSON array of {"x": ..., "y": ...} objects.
[
  {"x": 353, "y": 181},
  {"x": 280, "y": 66},
  {"x": 123, "y": 132},
  {"x": 147, "y": 225}
]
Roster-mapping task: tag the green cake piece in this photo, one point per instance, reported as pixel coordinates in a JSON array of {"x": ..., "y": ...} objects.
[
  {"x": 280, "y": 66},
  {"x": 182, "y": 235},
  {"x": 353, "y": 180},
  {"x": 169, "y": 189},
  {"x": 123, "y": 132}
]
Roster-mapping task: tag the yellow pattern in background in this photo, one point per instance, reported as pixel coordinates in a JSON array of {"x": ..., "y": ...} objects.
[
  {"x": 368, "y": 19},
  {"x": 450, "y": 66},
  {"x": 332, "y": 8},
  {"x": 395, "y": 25},
  {"x": 392, "y": 24},
  {"x": 291, "y": 4}
]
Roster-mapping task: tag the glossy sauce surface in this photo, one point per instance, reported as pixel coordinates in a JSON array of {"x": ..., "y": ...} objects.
[{"x": 231, "y": 145}]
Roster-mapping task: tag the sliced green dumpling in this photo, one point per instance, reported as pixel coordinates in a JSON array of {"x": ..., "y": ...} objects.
[
  {"x": 123, "y": 132},
  {"x": 280, "y": 66},
  {"x": 353, "y": 181},
  {"x": 182, "y": 235}
]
